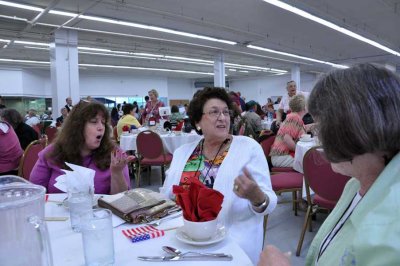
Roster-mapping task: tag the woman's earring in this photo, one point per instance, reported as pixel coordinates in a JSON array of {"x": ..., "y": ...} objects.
[{"x": 198, "y": 128}]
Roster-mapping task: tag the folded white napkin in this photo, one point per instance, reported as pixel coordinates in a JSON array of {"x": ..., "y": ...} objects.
[{"x": 81, "y": 179}]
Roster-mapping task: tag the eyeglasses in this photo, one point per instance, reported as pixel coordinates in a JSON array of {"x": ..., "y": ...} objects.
[{"x": 216, "y": 113}]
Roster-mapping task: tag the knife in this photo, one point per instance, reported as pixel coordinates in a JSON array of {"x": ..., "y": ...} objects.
[{"x": 224, "y": 257}]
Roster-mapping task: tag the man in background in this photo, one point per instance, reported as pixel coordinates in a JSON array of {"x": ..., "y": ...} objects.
[
  {"x": 283, "y": 107},
  {"x": 64, "y": 114},
  {"x": 69, "y": 105}
]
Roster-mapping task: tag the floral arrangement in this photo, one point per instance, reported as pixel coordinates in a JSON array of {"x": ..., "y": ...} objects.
[{"x": 125, "y": 128}]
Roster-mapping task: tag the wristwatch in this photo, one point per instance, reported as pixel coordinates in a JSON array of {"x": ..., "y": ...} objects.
[{"x": 261, "y": 207}]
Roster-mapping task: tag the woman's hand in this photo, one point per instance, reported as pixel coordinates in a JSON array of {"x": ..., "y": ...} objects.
[
  {"x": 271, "y": 256},
  {"x": 119, "y": 160},
  {"x": 247, "y": 188}
]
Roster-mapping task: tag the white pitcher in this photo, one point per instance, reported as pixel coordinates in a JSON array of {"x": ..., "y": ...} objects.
[{"x": 24, "y": 238}]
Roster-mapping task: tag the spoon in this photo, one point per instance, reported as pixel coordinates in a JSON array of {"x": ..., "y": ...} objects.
[{"x": 177, "y": 252}]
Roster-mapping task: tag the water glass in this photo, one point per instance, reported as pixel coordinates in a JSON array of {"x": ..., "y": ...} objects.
[
  {"x": 97, "y": 237},
  {"x": 79, "y": 204}
]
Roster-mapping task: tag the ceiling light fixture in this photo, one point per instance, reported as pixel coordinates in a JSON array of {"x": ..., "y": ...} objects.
[
  {"x": 148, "y": 68},
  {"x": 331, "y": 25},
  {"x": 33, "y": 8},
  {"x": 23, "y": 61},
  {"x": 296, "y": 56},
  {"x": 140, "y": 26}
]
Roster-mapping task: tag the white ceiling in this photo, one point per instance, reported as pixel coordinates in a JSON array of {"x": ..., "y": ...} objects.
[{"x": 252, "y": 22}]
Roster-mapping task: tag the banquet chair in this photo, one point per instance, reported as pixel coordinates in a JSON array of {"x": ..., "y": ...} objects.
[
  {"x": 286, "y": 182},
  {"x": 51, "y": 133},
  {"x": 30, "y": 156},
  {"x": 326, "y": 184},
  {"x": 37, "y": 129},
  {"x": 150, "y": 152},
  {"x": 266, "y": 144},
  {"x": 115, "y": 134}
]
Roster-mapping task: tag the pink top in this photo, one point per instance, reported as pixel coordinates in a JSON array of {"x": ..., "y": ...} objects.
[
  {"x": 292, "y": 126},
  {"x": 152, "y": 110},
  {"x": 45, "y": 173},
  {"x": 10, "y": 149}
]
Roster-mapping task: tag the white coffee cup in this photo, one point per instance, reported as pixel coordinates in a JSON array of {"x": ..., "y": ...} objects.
[{"x": 200, "y": 231}]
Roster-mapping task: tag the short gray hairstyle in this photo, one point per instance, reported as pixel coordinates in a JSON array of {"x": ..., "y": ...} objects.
[
  {"x": 357, "y": 110},
  {"x": 297, "y": 103}
]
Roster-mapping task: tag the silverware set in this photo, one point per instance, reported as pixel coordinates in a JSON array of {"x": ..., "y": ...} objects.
[{"x": 177, "y": 255}]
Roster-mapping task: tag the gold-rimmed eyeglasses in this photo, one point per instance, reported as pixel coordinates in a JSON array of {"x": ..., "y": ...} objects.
[{"x": 216, "y": 113}]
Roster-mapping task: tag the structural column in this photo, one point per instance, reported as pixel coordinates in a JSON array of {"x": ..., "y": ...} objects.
[
  {"x": 64, "y": 69},
  {"x": 219, "y": 70},
  {"x": 296, "y": 75}
]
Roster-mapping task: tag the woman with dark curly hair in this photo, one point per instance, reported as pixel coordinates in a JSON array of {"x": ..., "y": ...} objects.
[
  {"x": 85, "y": 141},
  {"x": 234, "y": 165}
]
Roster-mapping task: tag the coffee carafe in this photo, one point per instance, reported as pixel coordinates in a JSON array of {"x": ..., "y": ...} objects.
[{"x": 24, "y": 237}]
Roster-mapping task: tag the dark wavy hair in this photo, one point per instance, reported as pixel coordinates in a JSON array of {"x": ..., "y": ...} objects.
[
  {"x": 127, "y": 108},
  {"x": 196, "y": 105},
  {"x": 357, "y": 110},
  {"x": 71, "y": 137},
  {"x": 12, "y": 116}
]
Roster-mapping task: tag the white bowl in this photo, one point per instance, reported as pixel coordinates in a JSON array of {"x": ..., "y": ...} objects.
[{"x": 200, "y": 231}]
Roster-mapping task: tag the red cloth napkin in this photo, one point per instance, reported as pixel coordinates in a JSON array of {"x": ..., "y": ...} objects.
[{"x": 199, "y": 203}]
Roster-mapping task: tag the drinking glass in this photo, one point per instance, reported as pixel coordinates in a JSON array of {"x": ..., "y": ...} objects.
[
  {"x": 79, "y": 204},
  {"x": 97, "y": 237}
]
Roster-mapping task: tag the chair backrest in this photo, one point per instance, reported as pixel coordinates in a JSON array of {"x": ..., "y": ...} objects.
[
  {"x": 115, "y": 133},
  {"x": 30, "y": 157},
  {"x": 149, "y": 144},
  {"x": 266, "y": 144},
  {"x": 51, "y": 133},
  {"x": 320, "y": 177},
  {"x": 37, "y": 129}
]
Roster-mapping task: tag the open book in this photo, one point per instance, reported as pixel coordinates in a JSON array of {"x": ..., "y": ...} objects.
[{"x": 138, "y": 205}]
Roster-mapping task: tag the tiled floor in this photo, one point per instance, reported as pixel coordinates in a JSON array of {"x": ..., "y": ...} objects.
[{"x": 283, "y": 228}]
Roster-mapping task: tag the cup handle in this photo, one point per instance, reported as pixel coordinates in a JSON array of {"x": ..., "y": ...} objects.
[{"x": 44, "y": 239}]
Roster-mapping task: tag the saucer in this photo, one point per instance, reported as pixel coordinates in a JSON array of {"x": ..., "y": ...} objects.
[{"x": 218, "y": 237}]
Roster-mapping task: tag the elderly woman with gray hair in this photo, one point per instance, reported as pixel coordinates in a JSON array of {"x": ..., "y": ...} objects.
[
  {"x": 151, "y": 108},
  {"x": 364, "y": 227},
  {"x": 282, "y": 150}
]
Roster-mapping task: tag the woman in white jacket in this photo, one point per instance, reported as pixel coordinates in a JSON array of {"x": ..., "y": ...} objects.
[{"x": 233, "y": 165}]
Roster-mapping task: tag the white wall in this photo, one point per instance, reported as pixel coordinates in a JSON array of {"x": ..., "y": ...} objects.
[
  {"x": 11, "y": 82},
  {"x": 37, "y": 83},
  {"x": 33, "y": 83},
  {"x": 180, "y": 89},
  {"x": 259, "y": 89},
  {"x": 121, "y": 85}
]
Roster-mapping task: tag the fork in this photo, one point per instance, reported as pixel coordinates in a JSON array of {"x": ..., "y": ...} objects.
[{"x": 172, "y": 216}]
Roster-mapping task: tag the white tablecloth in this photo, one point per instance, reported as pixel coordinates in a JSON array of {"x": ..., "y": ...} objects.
[
  {"x": 171, "y": 141},
  {"x": 301, "y": 149},
  {"x": 67, "y": 247},
  {"x": 266, "y": 124}
]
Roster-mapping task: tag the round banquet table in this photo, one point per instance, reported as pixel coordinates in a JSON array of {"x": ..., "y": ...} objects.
[
  {"x": 171, "y": 141},
  {"x": 67, "y": 247}
]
